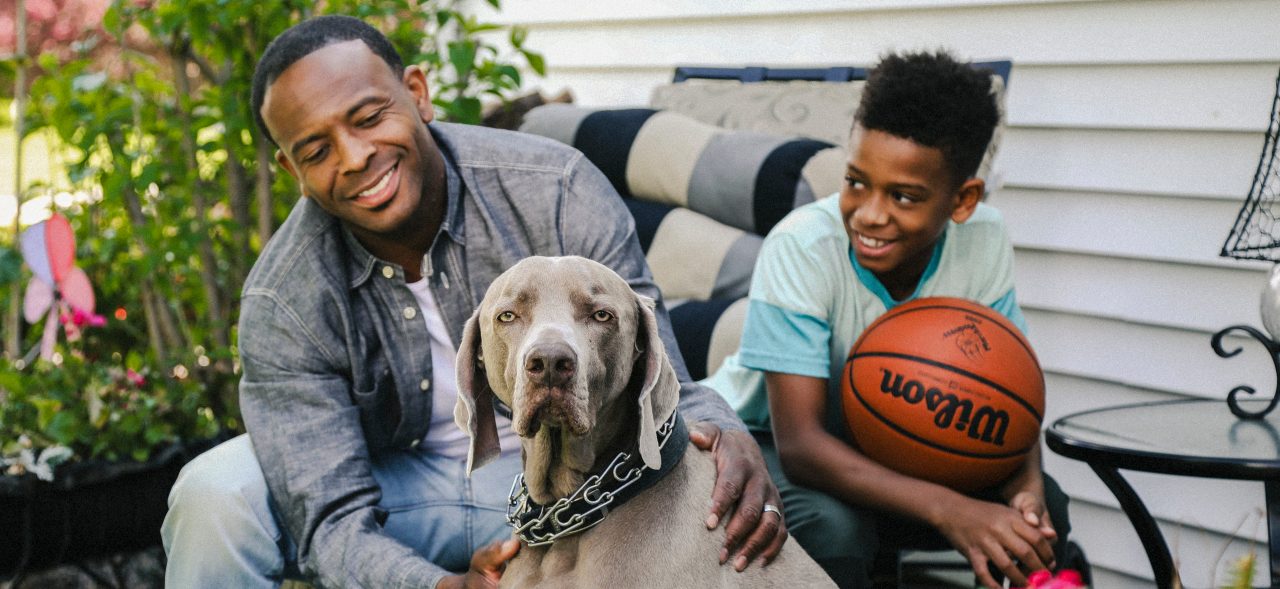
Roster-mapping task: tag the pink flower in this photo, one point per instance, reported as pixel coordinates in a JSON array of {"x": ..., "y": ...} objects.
[
  {"x": 1043, "y": 579},
  {"x": 135, "y": 378},
  {"x": 41, "y": 10},
  {"x": 82, "y": 318}
]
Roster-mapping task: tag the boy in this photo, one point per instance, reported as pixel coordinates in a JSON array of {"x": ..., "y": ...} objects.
[{"x": 907, "y": 224}]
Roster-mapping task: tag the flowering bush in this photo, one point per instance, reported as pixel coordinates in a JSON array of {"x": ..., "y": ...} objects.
[
  {"x": 1043, "y": 579},
  {"x": 69, "y": 408}
]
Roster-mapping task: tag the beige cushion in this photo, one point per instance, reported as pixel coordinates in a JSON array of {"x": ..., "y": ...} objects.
[{"x": 816, "y": 110}]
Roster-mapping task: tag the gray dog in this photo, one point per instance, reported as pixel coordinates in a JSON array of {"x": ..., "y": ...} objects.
[{"x": 576, "y": 355}]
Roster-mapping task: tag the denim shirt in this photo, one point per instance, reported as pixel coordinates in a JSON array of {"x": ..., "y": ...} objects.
[{"x": 336, "y": 360}]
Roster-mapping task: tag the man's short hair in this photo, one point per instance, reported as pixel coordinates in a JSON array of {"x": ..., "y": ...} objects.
[
  {"x": 306, "y": 37},
  {"x": 936, "y": 101}
]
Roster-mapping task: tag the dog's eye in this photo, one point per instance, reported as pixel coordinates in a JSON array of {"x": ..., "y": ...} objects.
[
  {"x": 602, "y": 316},
  {"x": 506, "y": 317}
]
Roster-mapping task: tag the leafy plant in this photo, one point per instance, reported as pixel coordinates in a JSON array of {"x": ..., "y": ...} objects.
[
  {"x": 153, "y": 110},
  {"x": 96, "y": 409}
]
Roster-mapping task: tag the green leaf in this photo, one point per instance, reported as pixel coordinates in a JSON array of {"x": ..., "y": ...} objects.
[
  {"x": 475, "y": 27},
  {"x": 536, "y": 62},
  {"x": 46, "y": 410},
  {"x": 111, "y": 18},
  {"x": 63, "y": 428},
  {"x": 510, "y": 72},
  {"x": 462, "y": 54},
  {"x": 518, "y": 36},
  {"x": 465, "y": 110},
  {"x": 10, "y": 265},
  {"x": 12, "y": 381}
]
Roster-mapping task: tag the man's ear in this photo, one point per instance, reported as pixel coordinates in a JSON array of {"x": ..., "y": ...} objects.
[
  {"x": 286, "y": 164},
  {"x": 416, "y": 81},
  {"x": 967, "y": 198}
]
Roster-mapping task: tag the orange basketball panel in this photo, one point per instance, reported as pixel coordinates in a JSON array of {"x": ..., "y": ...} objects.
[{"x": 945, "y": 390}]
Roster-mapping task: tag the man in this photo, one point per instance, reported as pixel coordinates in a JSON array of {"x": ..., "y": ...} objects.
[{"x": 354, "y": 475}]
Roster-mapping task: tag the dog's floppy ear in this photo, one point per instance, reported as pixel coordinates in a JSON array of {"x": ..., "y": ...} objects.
[
  {"x": 474, "y": 409},
  {"x": 661, "y": 390}
]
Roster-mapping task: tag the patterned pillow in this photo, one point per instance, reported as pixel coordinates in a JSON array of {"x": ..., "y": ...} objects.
[
  {"x": 817, "y": 110},
  {"x": 691, "y": 255},
  {"x": 743, "y": 179}
]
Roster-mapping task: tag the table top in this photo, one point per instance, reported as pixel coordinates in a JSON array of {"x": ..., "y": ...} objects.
[{"x": 1193, "y": 437}]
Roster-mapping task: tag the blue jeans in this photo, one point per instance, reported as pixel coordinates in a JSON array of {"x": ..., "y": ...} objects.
[{"x": 221, "y": 530}]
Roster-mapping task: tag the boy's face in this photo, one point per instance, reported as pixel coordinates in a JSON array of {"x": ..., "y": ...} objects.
[
  {"x": 354, "y": 136},
  {"x": 897, "y": 198}
]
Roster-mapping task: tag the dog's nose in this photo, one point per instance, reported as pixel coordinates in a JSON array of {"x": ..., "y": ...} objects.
[{"x": 551, "y": 364}]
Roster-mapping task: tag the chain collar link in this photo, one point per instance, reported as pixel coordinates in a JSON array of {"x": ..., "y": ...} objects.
[{"x": 538, "y": 525}]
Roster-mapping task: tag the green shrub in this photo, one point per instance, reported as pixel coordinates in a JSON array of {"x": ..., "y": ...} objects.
[{"x": 154, "y": 114}]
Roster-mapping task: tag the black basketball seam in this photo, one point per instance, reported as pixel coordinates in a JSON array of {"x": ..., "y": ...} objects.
[
  {"x": 917, "y": 438},
  {"x": 961, "y": 371},
  {"x": 897, "y": 428}
]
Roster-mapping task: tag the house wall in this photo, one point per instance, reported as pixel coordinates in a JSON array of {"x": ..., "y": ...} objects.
[{"x": 1134, "y": 131}]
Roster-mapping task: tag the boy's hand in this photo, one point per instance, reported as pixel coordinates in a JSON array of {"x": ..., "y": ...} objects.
[
  {"x": 487, "y": 565},
  {"x": 1035, "y": 513},
  {"x": 996, "y": 534},
  {"x": 743, "y": 488}
]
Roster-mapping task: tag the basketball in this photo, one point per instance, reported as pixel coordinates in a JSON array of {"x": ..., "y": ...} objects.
[{"x": 946, "y": 390}]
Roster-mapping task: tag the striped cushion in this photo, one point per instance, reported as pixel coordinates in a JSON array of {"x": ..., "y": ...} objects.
[
  {"x": 708, "y": 332},
  {"x": 691, "y": 255},
  {"x": 743, "y": 179}
]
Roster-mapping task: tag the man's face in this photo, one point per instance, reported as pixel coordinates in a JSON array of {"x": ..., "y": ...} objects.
[
  {"x": 354, "y": 135},
  {"x": 897, "y": 198}
]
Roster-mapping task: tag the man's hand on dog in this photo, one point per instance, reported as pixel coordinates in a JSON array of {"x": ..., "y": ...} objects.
[
  {"x": 486, "y": 569},
  {"x": 743, "y": 486}
]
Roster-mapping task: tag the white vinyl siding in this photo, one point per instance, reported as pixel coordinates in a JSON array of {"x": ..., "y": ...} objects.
[{"x": 1134, "y": 128}]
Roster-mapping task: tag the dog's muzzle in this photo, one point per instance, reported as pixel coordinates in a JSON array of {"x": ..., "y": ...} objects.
[{"x": 550, "y": 371}]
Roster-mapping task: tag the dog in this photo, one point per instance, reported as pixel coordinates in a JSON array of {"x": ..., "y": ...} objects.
[{"x": 576, "y": 355}]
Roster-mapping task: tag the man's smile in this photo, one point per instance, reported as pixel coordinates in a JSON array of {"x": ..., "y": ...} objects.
[{"x": 378, "y": 194}]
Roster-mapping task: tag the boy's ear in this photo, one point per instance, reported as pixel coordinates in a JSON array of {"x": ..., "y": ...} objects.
[{"x": 967, "y": 198}]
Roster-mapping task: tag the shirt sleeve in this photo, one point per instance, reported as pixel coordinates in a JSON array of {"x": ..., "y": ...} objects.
[
  {"x": 1007, "y": 305},
  {"x": 309, "y": 441},
  {"x": 787, "y": 328},
  {"x": 775, "y": 339},
  {"x": 994, "y": 284},
  {"x": 595, "y": 224}
]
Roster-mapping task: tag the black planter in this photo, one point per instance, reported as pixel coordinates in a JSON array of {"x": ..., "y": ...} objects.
[{"x": 89, "y": 510}]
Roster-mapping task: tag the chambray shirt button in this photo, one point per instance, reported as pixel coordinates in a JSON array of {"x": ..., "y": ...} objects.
[
  {"x": 388, "y": 271},
  {"x": 425, "y": 384},
  {"x": 410, "y": 312},
  {"x": 414, "y": 444}
]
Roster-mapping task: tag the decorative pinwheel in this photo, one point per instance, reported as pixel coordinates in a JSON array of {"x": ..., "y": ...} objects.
[{"x": 59, "y": 288}]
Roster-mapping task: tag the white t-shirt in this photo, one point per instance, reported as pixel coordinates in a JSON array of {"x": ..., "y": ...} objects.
[{"x": 444, "y": 438}]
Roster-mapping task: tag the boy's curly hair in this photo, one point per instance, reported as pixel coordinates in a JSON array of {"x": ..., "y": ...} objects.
[{"x": 936, "y": 101}]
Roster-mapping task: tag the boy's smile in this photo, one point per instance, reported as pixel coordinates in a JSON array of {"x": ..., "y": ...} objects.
[{"x": 897, "y": 198}]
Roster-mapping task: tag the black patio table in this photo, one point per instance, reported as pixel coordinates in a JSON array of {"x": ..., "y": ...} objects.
[{"x": 1185, "y": 437}]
